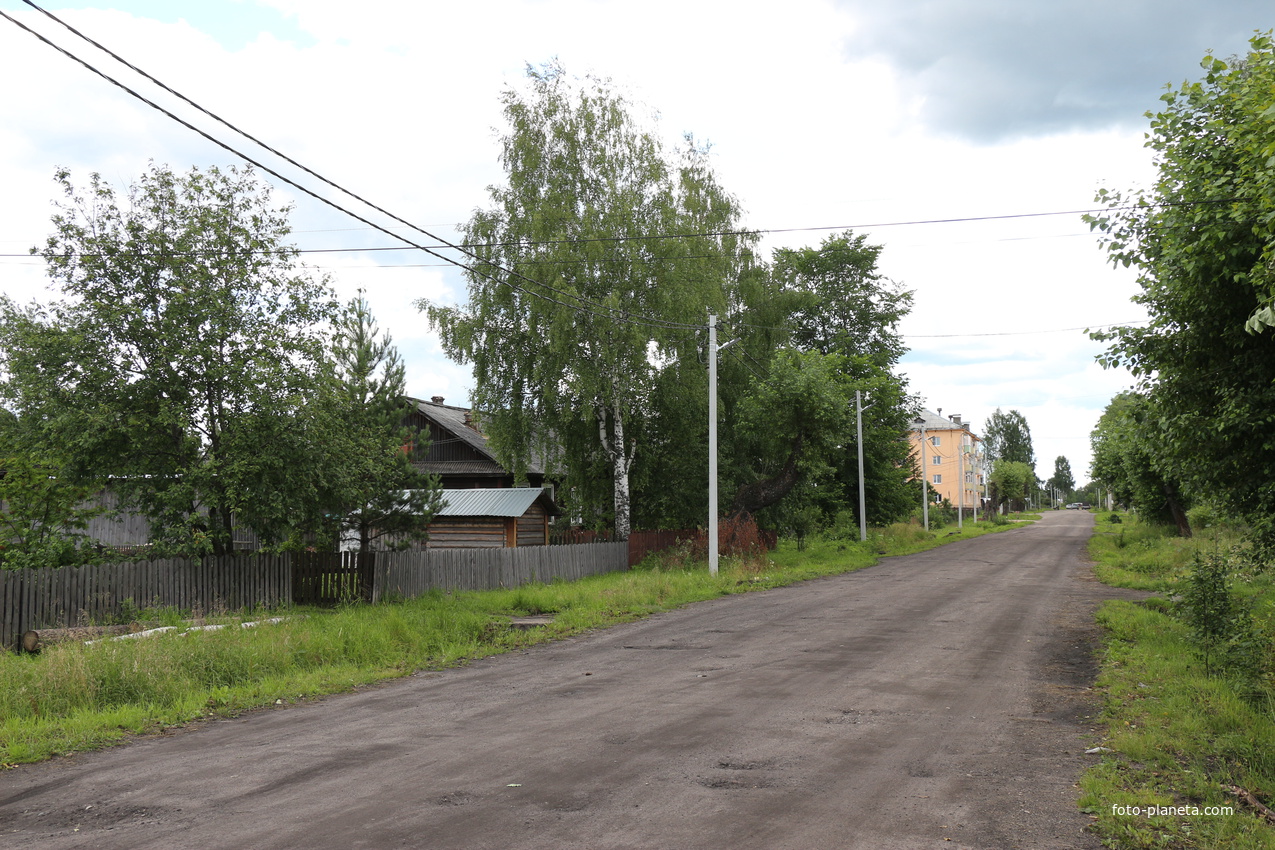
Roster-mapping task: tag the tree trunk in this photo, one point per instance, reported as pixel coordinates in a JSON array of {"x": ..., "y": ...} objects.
[
  {"x": 37, "y": 639},
  {"x": 751, "y": 498},
  {"x": 1176, "y": 511},
  {"x": 621, "y": 457}
]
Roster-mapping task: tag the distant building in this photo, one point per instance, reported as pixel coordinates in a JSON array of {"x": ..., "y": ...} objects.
[{"x": 953, "y": 459}]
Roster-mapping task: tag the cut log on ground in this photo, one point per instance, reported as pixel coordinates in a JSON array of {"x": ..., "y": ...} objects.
[{"x": 37, "y": 639}]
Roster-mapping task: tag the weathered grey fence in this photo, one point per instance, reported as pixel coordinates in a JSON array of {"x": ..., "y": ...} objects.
[
  {"x": 76, "y": 596},
  {"x": 408, "y": 574}
]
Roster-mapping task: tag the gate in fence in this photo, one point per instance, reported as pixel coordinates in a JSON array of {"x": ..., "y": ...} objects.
[{"x": 332, "y": 578}]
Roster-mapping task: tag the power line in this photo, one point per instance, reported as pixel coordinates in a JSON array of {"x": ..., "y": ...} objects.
[
  {"x": 1029, "y": 333},
  {"x": 613, "y": 314}
]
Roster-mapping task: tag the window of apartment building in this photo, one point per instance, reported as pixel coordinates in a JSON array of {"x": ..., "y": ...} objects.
[
  {"x": 936, "y": 460},
  {"x": 938, "y": 479},
  {"x": 934, "y": 441}
]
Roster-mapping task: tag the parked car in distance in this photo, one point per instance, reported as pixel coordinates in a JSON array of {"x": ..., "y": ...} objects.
[{"x": 1074, "y": 506}]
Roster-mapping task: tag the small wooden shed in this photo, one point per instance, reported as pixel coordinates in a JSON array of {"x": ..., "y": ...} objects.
[{"x": 492, "y": 518}]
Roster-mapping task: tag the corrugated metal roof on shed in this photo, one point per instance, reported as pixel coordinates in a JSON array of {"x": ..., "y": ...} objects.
[{"x": 502, "y": 502}]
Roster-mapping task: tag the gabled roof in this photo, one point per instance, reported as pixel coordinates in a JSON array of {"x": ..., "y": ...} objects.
[
  {"x": 501, "y": 502},
  {"x": 458, "y": 422}
]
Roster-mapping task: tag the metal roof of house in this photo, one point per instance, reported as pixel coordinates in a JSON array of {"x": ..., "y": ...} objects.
[
  {"x": 501, "y": 502},
  {"x": 938, "y": 422}
]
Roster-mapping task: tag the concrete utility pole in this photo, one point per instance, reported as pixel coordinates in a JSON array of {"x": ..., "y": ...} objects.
[
  {"x": 858, "y": 424},
  {"x": 712, "y": 443},
  {"x": 925, "y": 487}
]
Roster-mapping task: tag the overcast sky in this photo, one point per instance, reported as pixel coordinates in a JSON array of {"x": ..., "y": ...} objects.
[{"x": 891, "y": 118}]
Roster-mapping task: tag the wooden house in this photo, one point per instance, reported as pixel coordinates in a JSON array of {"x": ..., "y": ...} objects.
[
  {"x": 458, "y": 452},
  {"x": 492, "y": 518}
]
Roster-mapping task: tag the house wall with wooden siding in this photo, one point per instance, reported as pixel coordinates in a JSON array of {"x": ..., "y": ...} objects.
[
  {"x": 531, "y": 529},
  {"x": 533, "y": 526},
  {"x": 468, "y": 533}
]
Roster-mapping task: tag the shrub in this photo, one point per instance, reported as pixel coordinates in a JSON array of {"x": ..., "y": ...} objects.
[{"x": 1221, "y": 622}]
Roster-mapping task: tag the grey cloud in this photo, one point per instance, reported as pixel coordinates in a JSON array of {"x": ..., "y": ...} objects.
[{"x": 991, "y": 70}]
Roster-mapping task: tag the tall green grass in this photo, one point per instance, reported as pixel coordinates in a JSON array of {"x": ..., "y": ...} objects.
[
  {"x": 75, "y": 696},
  {"x": 1177, "y": 732}
]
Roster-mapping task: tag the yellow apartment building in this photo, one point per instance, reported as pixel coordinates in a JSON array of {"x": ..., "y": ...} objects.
[{"x": 950, "y": 458}]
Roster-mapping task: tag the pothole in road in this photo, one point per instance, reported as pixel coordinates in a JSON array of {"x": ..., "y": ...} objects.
[
  {"x": 751, "y": 782},
  {"x": 745, "y": 765}
]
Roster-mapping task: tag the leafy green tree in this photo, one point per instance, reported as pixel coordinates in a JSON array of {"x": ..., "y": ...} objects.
[
  {"x": 180, "y": 360},
  {"x": 574, "y": 312},
  {"x": 369, "y": 489},
  {"x": 1006, "y": 436},
  {"x": 1202, "y": 238},
  {"x": 1009, "y": 483},
  {"x": 1062, "y": 480},
  {"x": 1126, "y": 458},
  {"x": 841, "y": 305},
  {"x": 786, "y": 430},
  {"x": 43, "y": 516}
]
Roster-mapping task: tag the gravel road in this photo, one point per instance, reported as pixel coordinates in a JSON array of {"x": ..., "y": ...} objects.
[{"x": 935, "y": 700}]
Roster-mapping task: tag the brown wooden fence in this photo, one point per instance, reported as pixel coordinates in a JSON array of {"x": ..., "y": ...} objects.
[{"x": 104, "y": 593}]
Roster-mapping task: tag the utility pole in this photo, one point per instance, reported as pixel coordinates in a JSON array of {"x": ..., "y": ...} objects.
[
  {"x": 712, "y": 444},
  {"x": 858, "y": 424},
  {"x": 925, "y": 487}
]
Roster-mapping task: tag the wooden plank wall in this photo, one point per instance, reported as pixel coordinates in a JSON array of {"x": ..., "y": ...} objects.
[
  {"x": 94, "y": 595},
  {"x": 467, "y": 532}
]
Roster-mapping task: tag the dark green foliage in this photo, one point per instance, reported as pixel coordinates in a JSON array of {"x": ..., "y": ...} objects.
[
  {"x": 1203, "y": 239},
  {"x": 181, "y": 359},
  {"x": 42, "y": 514},
  {"x": 838, "y": 303},
  {"x": 1128, "y": 458},
  {"x": 1062, "y": 479},
  {"x": 369, "y": 495},
  {"x": 1006, "y": 436}
]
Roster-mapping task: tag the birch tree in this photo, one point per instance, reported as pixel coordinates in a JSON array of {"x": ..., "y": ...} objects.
[{"x": 595, "y": 257}]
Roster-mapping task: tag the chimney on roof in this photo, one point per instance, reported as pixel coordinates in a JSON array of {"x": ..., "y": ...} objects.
[
  {"x": 956, "y": 418},
  {"x": 940, "y": 412},
  {"x": 469, "y": 420},
  {"x": 438, "y": 399}
]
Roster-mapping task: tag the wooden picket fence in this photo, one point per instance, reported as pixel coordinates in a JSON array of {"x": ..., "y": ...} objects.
[{"x": 107, "y": 593}]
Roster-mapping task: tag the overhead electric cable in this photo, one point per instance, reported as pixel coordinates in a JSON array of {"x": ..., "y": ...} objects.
[
  {"x": 614, "y": 314},
  {"x": 1029, "y": 333}
]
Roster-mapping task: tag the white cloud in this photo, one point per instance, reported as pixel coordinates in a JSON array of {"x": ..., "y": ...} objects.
[{"x": 822, "y": 114}]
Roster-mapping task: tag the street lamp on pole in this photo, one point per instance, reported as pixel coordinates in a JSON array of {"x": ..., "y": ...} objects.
[
  {"x": 713, "y": 348},
  {"x": 925, "y": 487}
]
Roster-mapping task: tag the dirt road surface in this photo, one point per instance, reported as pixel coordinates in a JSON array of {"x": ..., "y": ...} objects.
[{"x": 934, "y": 701}]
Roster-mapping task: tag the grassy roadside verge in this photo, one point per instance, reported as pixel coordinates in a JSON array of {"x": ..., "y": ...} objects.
[
  {"x": 1179, "y": 733},
  {"x": 75, "y": 697}
]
